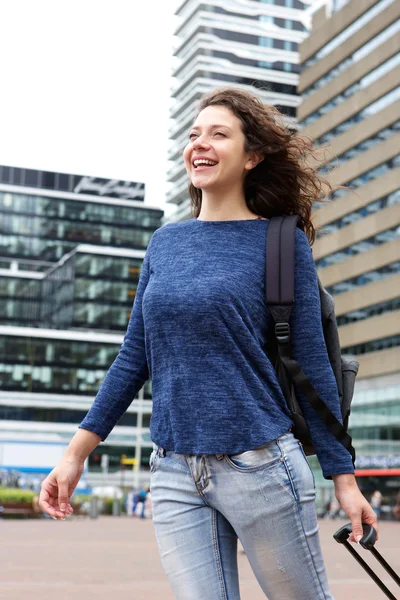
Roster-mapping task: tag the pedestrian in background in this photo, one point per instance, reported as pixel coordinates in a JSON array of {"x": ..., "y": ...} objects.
[
  {"x": 376, "y": 502},
  {"x": 225, "y": 464}
]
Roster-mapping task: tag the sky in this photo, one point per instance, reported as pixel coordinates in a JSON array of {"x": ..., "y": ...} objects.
[{"x": 86, "y": 88}]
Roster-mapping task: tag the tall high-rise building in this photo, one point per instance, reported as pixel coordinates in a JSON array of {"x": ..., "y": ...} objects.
[
  {"x": 350, "y": 89},
  {"x": 250, "y": 44},
  {"x": 71, "y": 251}
]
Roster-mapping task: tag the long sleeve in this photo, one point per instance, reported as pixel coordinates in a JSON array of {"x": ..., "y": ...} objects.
[
  {"x": 128, "y": 372},
  {"x": 309, "y": 350}
]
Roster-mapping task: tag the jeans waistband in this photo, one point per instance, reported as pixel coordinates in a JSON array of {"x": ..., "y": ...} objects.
[{"x": 285, "y": 439}]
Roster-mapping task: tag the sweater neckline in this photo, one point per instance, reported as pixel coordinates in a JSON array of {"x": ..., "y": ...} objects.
[{"x": 230, "y": 220}]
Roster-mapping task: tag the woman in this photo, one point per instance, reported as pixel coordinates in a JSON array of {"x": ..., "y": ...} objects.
[{"x": 225, "y": 464}]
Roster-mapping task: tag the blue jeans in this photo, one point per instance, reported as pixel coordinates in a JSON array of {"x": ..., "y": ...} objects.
[{"x": 265, "y": 497}]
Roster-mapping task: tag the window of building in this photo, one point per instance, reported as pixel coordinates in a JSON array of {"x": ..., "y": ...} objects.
[
  {"x": 369, "y": 311},
  {"x": 369, "y": 110},
  {"x": 364, "y": 211},
  {"x": 364, "y": 279},
  {"x": 372, "y": 346},
  {"x": 363, "y": 246},
  {"x": 365, "y": 18},
  {"x": 366, "y": 49},
  {"x": 353, "y": 89}
]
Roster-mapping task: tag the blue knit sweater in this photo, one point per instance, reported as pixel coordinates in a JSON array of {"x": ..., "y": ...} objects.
[{"x": 197, "y": 329}]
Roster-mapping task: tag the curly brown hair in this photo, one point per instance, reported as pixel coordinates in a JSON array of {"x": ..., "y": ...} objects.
[{"x": 282, "y": 183}]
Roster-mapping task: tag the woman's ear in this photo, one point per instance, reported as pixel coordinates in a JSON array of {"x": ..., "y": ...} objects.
[{"x": 254, "y": 159}]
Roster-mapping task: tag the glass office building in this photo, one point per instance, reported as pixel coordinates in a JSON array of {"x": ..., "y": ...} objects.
[
  {"x": 350, "y": 89},
  {"x": 249, "y": 44},
  {"x": 71, "y": 250}
]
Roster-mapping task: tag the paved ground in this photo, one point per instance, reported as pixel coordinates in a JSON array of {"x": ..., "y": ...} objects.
[{"x": 116, "y": 557}]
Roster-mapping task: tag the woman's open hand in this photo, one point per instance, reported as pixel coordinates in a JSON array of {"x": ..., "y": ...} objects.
[{"x": 59, "y": 486}]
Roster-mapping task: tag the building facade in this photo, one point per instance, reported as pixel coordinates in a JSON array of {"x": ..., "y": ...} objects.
[
  {"x": 249, "y": 44},
  {"x": 71, "y": 250},
  {"x": 350, "y": 90}
]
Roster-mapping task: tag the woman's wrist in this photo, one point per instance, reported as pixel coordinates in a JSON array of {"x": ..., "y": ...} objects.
[
  {"x": 81, "y": 445},
  {"x": 344, "y": 481}
]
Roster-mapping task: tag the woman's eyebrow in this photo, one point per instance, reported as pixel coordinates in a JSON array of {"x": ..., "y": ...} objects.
[{"x": 212, "y": 127}]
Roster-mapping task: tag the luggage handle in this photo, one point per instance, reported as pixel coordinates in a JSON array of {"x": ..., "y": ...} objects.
[{"x": 367, "y": 542}]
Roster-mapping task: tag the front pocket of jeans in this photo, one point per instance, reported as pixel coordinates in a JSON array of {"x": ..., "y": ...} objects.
[
  {"x": 308, "y": 464},
  {"x": 252, "y": 460}
]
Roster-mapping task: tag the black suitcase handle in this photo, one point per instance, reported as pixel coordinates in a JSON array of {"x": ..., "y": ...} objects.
[{"x": 367, "y": 542}]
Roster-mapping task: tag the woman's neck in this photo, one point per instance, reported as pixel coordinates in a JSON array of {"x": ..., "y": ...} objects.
[{"x": 224, "y": 208}]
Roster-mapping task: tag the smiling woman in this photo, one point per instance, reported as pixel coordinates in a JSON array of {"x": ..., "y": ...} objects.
[
  {"x": 243, "y": 161},
  {"x": 225, "y": 462}
]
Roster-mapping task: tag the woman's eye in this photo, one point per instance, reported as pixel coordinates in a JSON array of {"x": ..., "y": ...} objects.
[
  {"x": 219, "y": 133},
  {"x": 192, "y": 135}
]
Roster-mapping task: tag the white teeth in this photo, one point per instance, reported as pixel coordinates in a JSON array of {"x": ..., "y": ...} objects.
[{"x": 203, "y": 161}]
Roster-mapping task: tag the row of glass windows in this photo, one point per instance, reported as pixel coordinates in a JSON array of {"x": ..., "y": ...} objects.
[
  {"x": 284, "y": 23},
  {"x": 70, "y": 296},
  {"x": 246, "y": 38},
  {"x": 353, "y": 59},
  {"x": 279, "y": 88},
  {"x": 20, "y": 312},
  {"x": 288, "y": 3},
  {"x": 363, "y": 146},
  {"x": 376, "y": 395},
  {"x": 54, "y": 379},
  {"x": 11, "y": 287},
  {"x": 363, "y": 246},
  {"x": 389, "y": 412},
  {"x": 64, "y": 353},
  {"x": 33, "y": 266},
  {"x": 385, "y": 433},
  {"x": 43, "y": 227},
  {"x": 68, "y": 183},
  {"x": 59, "y": 415},
  {"x": 363, "y": 83},
  {"x": 369, "y": 311},
  {"x": 344, "y": 35},
  {"x": 104, "y": 291},
  {"x": 20, "y": 246},
  {"x": 110, "y": 267},
  {"x": 243, "y": 38},
  {"x": 366, "y": 112},
  {"x": 274, "y": 66},
  {"x": 368, "y": 176},
  {"x": 234, "y": 36},
  {"x": 364, "y": 279},
  {"x": 383, "y": 344},
  {"x": 76, "y": 210},
  {"x": 381, "y": 410},
  {"x": 365, "y": 211}
]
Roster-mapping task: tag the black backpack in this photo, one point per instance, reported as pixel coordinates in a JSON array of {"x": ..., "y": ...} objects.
[{"x": 279, "y": 292}]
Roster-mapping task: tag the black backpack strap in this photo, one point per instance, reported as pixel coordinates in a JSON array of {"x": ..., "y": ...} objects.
[
  {"x": 298, "y": 377},
  {"x": 279, "y": 294}
]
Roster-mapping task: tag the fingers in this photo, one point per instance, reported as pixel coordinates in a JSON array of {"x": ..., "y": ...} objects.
[
  {"x": 49, "y": 499},
  {"x": 357, "y": 529},
  {"x": 63, "y": 494}
]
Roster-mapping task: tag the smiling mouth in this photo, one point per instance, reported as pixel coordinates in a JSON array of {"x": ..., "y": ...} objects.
[{"x": 203, "y": 164}]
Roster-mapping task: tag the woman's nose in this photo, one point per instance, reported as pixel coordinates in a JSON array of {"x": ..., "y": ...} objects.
[{"x": 200, "y": 143}]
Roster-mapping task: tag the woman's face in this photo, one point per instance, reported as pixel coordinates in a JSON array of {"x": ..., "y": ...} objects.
[{"x": 216, "y": 136}]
